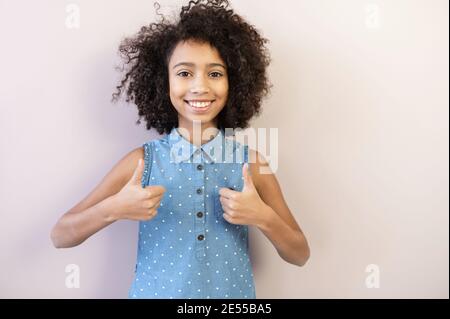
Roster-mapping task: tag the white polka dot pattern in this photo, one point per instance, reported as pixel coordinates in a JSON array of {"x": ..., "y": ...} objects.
[{"x": 188, "y": 250}]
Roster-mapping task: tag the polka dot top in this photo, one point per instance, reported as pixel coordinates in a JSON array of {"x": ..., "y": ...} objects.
[{"x": 188, "y": 250}]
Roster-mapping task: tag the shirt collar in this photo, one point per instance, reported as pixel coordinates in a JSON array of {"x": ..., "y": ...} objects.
[{"x": 182, "y": 150}]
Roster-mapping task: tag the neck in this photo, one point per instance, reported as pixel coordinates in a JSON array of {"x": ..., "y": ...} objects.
[{"x": 198, "y": 133}]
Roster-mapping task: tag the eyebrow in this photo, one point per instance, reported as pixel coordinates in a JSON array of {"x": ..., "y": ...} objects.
[{"x": 193, "y": 64}]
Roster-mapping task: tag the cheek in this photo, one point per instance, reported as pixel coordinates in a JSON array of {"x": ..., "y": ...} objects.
[
  {"x": 221, "y": 89},
  {"x": 176, "y": 88},
  {"x": 176, "y": 94},
  {"x": 224, "y": 88}
]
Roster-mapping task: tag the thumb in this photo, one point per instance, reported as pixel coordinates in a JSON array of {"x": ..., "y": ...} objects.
[
  {"x": 137, "y": 175},
  {"x": 246, "y": 174}
]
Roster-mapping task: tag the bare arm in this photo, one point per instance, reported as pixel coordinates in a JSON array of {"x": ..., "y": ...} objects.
[
  {"x": 73, "y": 228},
  {"x": 261, "y": 204},
  {"x": 280, "y": 227},
  {"x": 103, "y": 206}
]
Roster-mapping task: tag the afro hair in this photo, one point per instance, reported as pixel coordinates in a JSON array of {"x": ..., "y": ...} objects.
[{"x": 146, "y": 58}]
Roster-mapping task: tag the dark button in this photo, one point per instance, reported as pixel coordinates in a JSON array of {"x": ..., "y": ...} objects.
[
  {"x": 199, "y": 214},
  {"x": 199, "y": 191},
  {"x": 200, "y": 237},
  {"x": 199, "y": 167}
]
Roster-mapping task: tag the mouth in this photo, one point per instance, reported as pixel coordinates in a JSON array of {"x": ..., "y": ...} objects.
[{"x": 199, "y": 107}]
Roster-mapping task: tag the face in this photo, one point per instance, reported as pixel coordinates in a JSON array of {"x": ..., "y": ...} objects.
[{"x": 198, "y": 83}]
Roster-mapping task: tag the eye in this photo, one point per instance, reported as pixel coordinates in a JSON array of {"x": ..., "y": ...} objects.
[
  {"x": 183, "y": 72},
  {"x": 218, "y": 74}
]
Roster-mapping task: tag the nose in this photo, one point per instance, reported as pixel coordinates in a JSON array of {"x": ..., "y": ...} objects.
[{"x": 199, "y": 85}]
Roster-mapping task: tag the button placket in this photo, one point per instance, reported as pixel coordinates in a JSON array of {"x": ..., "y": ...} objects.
[{"x": 199, "y": 206}]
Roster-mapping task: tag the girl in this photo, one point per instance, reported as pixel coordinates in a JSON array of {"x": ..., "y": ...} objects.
[{"x": 194, "y": 191}]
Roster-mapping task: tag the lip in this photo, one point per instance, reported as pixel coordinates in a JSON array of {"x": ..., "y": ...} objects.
[
  {"x": 200, "y": 100},
  {"x": 199, "y": 110}
]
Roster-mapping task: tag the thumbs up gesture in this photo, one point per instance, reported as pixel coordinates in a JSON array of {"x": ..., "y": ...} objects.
[
  {"x": 135, "y": 202},
  {"x": 246, "y": 207}
]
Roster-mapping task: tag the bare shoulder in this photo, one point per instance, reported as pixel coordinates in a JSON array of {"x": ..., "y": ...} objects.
[
  {"x": 259, "y": 166},
  {"x": 263, "y": 177},
  {"x": 129, "y": 162},
  {"x": 268, "y": 187},
  {"x": 114, "y": 180},
  {"x": 124, "y": 168}
]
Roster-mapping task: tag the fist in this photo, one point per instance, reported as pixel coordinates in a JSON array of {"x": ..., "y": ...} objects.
[
  {"x": 135, "y": 202},
  {"x": 245, "y": 207}
]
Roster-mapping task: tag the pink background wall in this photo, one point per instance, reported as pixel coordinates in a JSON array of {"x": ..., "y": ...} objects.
[{"x": 360, "y": 100}]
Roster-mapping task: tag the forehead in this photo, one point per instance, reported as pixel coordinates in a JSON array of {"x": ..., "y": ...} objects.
[{"x": 195, "y": 52}]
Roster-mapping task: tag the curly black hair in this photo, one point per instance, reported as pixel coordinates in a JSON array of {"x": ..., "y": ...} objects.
[{"x": 147, "y": 54}]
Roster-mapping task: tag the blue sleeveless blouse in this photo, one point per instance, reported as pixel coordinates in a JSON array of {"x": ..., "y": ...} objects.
[{"x": 188, "y": 250}]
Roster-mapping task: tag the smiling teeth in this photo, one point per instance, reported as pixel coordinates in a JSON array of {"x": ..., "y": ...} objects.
[{"x": 199, "y": 104}]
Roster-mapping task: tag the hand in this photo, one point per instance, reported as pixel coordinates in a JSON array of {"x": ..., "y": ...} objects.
[
  {"x": 135, "y": 202},
  {"x": 246, "y": 207}
]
